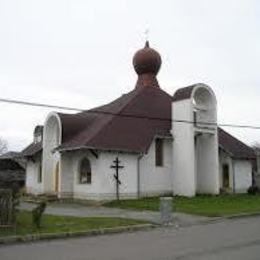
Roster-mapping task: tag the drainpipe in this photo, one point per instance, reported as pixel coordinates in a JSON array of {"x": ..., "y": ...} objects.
[
  {"x": 140, "y": 156},
  {"x": 234, "y": 177},
  {"x": 257, "y": 173}
]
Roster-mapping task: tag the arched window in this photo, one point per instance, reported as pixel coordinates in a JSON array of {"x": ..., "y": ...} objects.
[{"x": 85, "y": 171}]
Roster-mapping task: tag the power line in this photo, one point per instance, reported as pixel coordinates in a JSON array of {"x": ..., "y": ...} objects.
[{"x": 26, "y": 103}]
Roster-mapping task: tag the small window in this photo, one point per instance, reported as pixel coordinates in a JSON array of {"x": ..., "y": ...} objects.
[
  {"x": 159, "y": 152},
  {"x": 225, "y": 175},
  {"x": 39, "y": 177},
  {"x": 195, "y": 118},
  {"x": 85, "y": 172}
]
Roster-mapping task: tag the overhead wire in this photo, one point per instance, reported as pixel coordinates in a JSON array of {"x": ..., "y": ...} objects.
[{"x": 43, "y": 105}]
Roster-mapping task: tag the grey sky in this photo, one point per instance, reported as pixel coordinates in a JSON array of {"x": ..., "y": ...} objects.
[{"x": 79, "y": 53}]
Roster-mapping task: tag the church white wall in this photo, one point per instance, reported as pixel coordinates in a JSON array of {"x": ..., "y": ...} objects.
[
  {"x": 51, "y": 139},
  {"x": 224, "y": 158},
  {"x": 183, "y": 149},
  {"x": 240, "y": 172},
  {"x": 66, "y": 184},
  {"x": 207, "y": 164},
  {"x": 156, "y": 180},
  {"x": 195, "y": 147},
  {"x": 31, "y": 181},
  {"x": 243, "y": 175},
  {"x": 103, "y": 184}
]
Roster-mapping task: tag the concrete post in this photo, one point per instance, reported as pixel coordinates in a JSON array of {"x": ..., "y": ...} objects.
[{"x": 166, "y": 210}]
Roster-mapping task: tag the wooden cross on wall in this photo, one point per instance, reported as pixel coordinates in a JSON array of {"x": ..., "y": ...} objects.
[{"x": 117, "y": 167}]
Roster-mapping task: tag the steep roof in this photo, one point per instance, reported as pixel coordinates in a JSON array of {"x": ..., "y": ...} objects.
[
  {"x": 9, "y": 155},
  {"x": 127, "y": 124},
  {"x": 183, "y": 93},
  {"x": 233, "y": 146},
  {"x": 31, "y": 149}
]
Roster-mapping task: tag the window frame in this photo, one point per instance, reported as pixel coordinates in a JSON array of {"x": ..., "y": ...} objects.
[
  {"x": 225, "y": 176},
  {"x": 88, "y": 174},
  {"x": 159, "y": 152},
  {"x": 39, "y": 174}
]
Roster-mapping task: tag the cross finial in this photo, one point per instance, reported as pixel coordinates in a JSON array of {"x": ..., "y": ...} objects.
[{"x": 146, "y": 33}]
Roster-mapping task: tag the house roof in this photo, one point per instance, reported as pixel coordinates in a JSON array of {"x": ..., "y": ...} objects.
[
  {"x": 9, "y": 164},
  {"x": 127, "y": 124},
  {"x": 9, "y": 155},
  {"x": 233, "y": 146},
  {"x": 183, "y": 93},
  {"x": 31, "y": 149}
]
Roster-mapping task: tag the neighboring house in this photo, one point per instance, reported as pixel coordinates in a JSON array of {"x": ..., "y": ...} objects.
[
  {"x": 236, "y": 163},
  {"x": 12, "y": 170},
  {"x": 166, "y": 145},
  {"x": 33, "y": 155}
]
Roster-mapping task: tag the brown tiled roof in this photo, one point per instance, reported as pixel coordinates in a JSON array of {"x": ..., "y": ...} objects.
[
  {"x": 31, "y": 149},
  {"x": 233, "y": 146},
  {"x": 127, "y": 124},
  {"x": 183, "y": 93}
]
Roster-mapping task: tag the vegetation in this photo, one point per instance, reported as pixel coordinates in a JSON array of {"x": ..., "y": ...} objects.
[
  {"x": 3, "y": 146},
  {"x": 60, "y": 224},
  {"x": 213, "y": 206},
  {"x": 37, "y": 214}
]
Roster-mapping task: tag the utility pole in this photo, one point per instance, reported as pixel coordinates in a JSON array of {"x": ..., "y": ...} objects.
[{"x": 117, "y": 167}]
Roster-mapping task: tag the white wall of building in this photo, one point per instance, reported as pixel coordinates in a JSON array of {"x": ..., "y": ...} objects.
[
  {"x": 240, "y": 172},
  {"x": 155, "y": 180},
  {"x": 183, "y": 149},
  {"x": 207, "y": 164},
  {"x": 195, "y": 146},
  {"x": 31, "y": 181},
  {"x": 51, "y": 140},
  {"x": 224, "y": 158},
  {"x": 103, "y": 185},
  {"x": 243, "y": 175}
]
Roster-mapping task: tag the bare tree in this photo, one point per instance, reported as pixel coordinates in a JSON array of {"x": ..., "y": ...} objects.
[{"x": 3, "y": 146}]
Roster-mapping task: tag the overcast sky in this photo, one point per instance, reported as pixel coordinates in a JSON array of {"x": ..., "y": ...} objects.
[{"x": 79, "y": 53}]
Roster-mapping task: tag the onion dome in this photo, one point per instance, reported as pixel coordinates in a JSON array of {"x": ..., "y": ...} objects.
[{"x": 147, "y": 63}]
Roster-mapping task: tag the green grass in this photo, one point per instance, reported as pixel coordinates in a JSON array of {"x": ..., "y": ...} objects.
[
  {"x": 221, "y": 205},
  {"x": 60, "y": 224}
]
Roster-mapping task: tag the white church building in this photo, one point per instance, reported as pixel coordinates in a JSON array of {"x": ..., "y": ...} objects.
[{"x": 165, "y": 144}]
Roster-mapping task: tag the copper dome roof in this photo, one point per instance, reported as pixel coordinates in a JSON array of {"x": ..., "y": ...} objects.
[{"x": 147, "y": 60}]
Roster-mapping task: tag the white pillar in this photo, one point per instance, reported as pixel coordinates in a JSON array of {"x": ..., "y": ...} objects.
[
  {"x": 195, "y": 141},
  {"x": 183, "y": 149}
]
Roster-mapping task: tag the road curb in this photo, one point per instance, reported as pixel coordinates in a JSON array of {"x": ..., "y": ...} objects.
[
  {"x": 95, "y": 232},
  {"x": 243, "y": 215}
]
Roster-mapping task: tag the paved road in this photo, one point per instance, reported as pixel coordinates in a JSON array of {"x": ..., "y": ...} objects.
[
  {"x": 66, "y": 209},
  {"x": 228, "y": 239}
]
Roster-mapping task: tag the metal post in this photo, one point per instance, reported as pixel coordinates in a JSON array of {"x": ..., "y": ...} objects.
[{"x": 166, "y": 210}]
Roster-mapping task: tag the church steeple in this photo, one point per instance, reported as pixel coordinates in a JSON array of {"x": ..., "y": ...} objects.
[{"x": 147, "y": 63}]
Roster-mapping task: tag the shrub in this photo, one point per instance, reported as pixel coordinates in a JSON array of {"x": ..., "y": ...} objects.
[
  {"x": 37, "y": 214},
  {"x": 253, "y": 190}
]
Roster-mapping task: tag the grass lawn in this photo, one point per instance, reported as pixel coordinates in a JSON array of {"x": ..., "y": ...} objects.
[
  {"x": 221, "y": 205},
  {"x": 59, "y": 224}
]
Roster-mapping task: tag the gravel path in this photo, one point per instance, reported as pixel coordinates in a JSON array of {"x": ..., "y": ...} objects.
[{"x": 67, "y": 209}]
